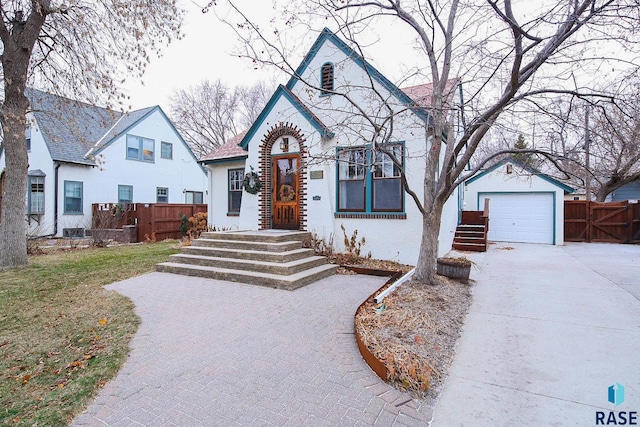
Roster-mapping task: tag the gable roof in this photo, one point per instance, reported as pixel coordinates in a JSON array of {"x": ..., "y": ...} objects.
[
  {"x": 527, "y": 168},
  {"x": 75, "y": 132},
  {"x": 422, "y": 94},
  {"x": 328, "y": 35},
  {"x": 284, "y": 92},
  {"x": 228, "y": 151},
  {"x": 69, "y": 127}
]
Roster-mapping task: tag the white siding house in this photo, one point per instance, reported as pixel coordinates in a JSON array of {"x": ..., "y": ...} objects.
[
  {"x": 80, "y": 154},
  {"x": 319, "y": 170}
]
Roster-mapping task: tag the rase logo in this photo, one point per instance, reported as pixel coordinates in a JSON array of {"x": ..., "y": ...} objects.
[{"x": 615, "y": 395}]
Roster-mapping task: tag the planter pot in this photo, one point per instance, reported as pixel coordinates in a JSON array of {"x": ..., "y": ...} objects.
[{"x": 454, "y": 268}]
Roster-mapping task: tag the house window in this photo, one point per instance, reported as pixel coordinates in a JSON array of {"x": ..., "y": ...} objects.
[
  {"x": 162, "y": 195},
  {"x": 139, "y": 148},
  {"x": 36, "y": 195},
  {"x": 193, "y": 197},
  {"x": 351, "y": 179},
  {"x": 28, "y": 137},
  {"x": 73, "y": 197},
  {"x": 326, "y": 78},
  {"x": 166, "y": 150},
  {"x": 387, "y": 184},
  {"x": 236, "y": 176},
  {"x": 125, "y": 193},
  {"x": 370, "y": 181}
]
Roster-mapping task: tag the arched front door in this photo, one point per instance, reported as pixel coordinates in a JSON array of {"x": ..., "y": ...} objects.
[{"x": 286, "y": 186}]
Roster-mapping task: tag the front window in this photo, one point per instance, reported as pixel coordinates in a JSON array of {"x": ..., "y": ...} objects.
[
  {"x": 236, "y": 177},
  {"x": 162, "y": 195},
  {"x": 139, "y": 148},
  {"x": 125, "y": 193},
  {"x": 351, "y": 179},
  {"x": 370, "y": 181},
  {"x": 387, "y": 184},
  {"x": 166, "y": 150},
  {"x": 73, "y": 197},
  {"x": 192, "y": 197},
  {"x": 36, "y": 194}
]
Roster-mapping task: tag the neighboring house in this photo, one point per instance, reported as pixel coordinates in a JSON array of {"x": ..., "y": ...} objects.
[
  {"x": 525, "y": 205},
  {"x": 630, "y": 191},
  {"x": 80, "y": 154},
  {"x": 319, "y": 172}
]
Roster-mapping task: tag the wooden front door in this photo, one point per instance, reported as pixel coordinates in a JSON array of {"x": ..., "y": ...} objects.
[{"x": 285, "y": 198}]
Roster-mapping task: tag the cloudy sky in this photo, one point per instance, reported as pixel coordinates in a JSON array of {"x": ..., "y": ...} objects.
[{"x": 206, "y": 50}]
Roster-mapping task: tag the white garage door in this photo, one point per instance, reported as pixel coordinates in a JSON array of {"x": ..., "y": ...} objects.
[{"x": 520, "y": 217}]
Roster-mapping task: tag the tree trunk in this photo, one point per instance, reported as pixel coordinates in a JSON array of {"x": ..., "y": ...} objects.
[
  {"x": 427, "y": 258},
  {"x": 13, "y": 228}
]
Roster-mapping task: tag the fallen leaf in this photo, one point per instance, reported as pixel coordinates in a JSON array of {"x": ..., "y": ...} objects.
[
  {"x": 103, "y": 321},
  {"x": 26, "y": 379}
]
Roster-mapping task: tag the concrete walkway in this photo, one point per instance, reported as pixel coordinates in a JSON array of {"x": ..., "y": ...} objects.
[
  {"x": 219, "y": 353},
  {"x": 550, "y": 329}
]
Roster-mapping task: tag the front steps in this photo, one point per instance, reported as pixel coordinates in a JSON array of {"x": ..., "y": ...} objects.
[
  {"x": 272, "y": 258},
  {"x": 470, "y": 237}
]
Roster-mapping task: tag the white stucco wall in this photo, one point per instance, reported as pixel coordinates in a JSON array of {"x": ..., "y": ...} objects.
[
  {"x": 519, "y": 181},
  {"x": 218, "y": 202}
]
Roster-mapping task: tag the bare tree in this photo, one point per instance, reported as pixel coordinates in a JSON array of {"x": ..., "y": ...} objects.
[
  {"x": 504, "y": 52},
  {"x": 208, "y": 114},
  {"x": 614, "y": 145},
  {"x": 80, "y": 48}
]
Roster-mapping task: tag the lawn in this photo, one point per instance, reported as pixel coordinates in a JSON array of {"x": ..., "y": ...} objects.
[{"x": 62, "y": 336}]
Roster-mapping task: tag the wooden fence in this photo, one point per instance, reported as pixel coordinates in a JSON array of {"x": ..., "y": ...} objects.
[
  {"x": 615, "y": 222},
  {"x": 154, "y": 221}
]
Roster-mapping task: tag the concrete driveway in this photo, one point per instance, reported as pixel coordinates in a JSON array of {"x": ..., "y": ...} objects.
[
  {"x": 551, "y": 328},
  {"x": 212, "y": 353}
]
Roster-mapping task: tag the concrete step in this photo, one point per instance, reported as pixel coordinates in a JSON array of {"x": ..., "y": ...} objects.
[
  {"x": 258, "y": 255},
  {"x": 289, "y": 282},
  {"x": 267, "y": 236},
  {"x": 278, "y": 268},
  {"x": 244, "y": 245}
]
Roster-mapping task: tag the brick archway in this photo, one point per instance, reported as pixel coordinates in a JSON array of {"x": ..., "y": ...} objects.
[{"x": 265, "y": 166}]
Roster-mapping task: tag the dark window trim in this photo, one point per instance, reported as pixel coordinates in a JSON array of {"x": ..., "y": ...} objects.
[
  {"x": 364, "y": 178},
  {"x": 30, "y": 178},
  {"x": 369, "y": 188},
  {"x": 231, "y": 212}
]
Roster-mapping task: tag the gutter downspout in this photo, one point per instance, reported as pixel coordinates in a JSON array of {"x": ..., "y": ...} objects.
[{"x": 55, "y": 198}]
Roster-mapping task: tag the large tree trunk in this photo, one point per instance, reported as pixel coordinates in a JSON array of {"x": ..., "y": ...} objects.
[
  {"x": 13, "y": 229},
  {"x": 426, "y": 265}
]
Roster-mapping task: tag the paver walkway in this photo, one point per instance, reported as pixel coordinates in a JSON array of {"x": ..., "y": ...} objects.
[
  {"x": 549, "y": 330},
  {"x": 219, "y": 353}
]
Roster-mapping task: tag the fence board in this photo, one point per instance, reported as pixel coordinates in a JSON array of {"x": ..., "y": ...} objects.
[
  {"x": 154, "y": 221},
  {"x": 614, "y": 222}
]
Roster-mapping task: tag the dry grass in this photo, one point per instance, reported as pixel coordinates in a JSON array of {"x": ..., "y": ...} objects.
[
  {"x": 62, "y": 335},
  {"x": 415, "y": 335}
]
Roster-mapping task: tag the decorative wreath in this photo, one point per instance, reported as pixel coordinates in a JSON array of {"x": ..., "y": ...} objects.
[
  {"x": 251, "y": 182},
  {"x": 286, "y": 193}
]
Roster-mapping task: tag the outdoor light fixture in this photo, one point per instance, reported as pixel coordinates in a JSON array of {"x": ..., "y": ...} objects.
[
  {"x": 284, "y": 145},
  {"x": 509, "y": 168}
]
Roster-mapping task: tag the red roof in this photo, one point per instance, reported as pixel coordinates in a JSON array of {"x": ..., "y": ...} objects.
[
  {"x": 421, "y": 94},
  {"x": 227, "y": 150}
]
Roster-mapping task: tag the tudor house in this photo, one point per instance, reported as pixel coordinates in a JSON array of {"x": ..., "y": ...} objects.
[{"x": 315, "y": 167}]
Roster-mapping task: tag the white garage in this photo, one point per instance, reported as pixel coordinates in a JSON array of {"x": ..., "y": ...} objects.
[
  {"x": 520, "y": 217},
  {"x": 525, "y": 205}
]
